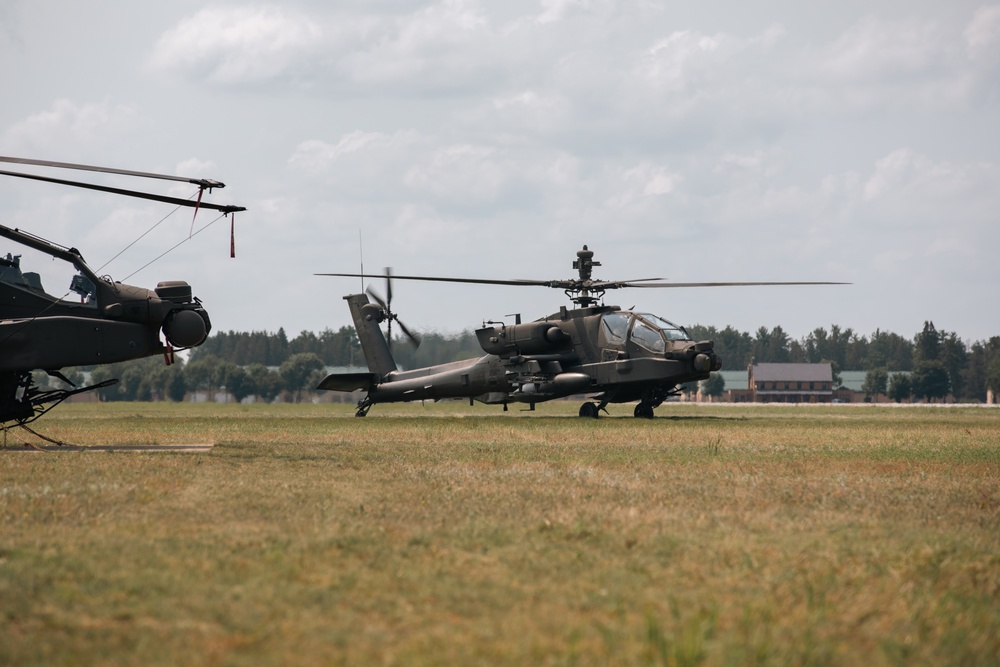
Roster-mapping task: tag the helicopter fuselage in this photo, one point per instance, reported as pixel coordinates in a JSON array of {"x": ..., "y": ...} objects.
[
  {"x": 614, "y": 355},
  {"x": 106, "y": 322},
  {"x": 610, "y": 354}
]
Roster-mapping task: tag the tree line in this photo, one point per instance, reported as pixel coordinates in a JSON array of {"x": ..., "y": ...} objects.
[{"x": 268, "y": 365}]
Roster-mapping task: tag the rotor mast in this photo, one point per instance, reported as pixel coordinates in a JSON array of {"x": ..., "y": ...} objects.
[{"x": 582, "y": 292}]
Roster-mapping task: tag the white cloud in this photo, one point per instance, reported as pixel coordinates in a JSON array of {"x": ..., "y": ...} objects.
[
  {"x": 443, "y": 46},
  {"x": 917, "y": 182},
  {"x": 462, "y": 172},
  {"x": 982, "y": 34},
  {"x": 240, "y": 45},
  {"x": 76, "y": 128},
  {"x": 634, "y": 184},
  {"x": 874, "y": 49},
  {"x": 557, "y": 10}
]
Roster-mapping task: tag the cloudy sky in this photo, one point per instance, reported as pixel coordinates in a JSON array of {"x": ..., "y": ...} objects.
[{"x": 714, "y": 141}]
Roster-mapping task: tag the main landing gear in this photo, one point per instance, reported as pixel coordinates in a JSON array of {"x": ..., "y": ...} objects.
[
  {"x": 651, "y": 399},
  {"x": 643, "y": 411}
]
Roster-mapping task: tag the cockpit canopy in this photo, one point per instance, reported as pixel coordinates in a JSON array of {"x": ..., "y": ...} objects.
[
  {"x": 644, "y": 329},
  {"x": 56, "y": 271}
]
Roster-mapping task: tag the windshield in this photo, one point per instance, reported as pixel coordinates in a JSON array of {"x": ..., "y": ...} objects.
[
  {"x": 669, "y": 329},
  {"x": 647, "y": 336},
  {"x": 615, "y": 326}
]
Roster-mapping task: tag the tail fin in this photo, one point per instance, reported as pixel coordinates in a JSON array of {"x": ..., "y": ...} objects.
[{"x": 367, "y": 317}]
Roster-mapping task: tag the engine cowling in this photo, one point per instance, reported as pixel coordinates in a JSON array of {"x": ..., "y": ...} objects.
[{"x": 530, "y": 338}]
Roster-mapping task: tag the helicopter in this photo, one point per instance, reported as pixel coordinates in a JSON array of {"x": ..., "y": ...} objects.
[
  {"x": 96, "y": 320},
  {"x": 602, "y": 351}
]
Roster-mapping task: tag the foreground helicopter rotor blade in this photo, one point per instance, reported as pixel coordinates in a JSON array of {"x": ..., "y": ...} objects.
[
  {"x": 132, "y": 193},
  {"x": 203, "y": 182}
]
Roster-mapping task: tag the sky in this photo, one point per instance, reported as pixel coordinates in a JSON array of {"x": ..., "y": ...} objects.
[{"x": 717, "y": 141}]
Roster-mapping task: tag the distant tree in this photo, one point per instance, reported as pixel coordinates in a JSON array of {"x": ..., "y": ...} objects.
[
  {"x": 735, "y": 347},
  {"x": 899, "y": 387},
  {"x": 74, "y": 375},
  {"x": 796, "y": 352},
  {"x": 306, "y": 341},
  {"x": 42, "y": 380},
  {"x": 266, "y": 382},
  {"x": 714, "y": 386},
  {"x": 134, "y": 384},
  {"x": 816, "y": 345},
  {"x": 992, "y": 379},
  {"x": 876, "y": 382},
  {"x": 315, "y": 378},
  {"x": 927, "y": 344},
  {"x": 205, "y": 373},
  {"x": 770, "y": 346},
  {"x": 175, "y": 385},
  {"x": 103, "y": 374},
  {"x": 238, "y": 382},
  {"x": 341, "y": 347},
  {"x": 435, "y": 348},
  {"x": 820, "y": 346},
  {"x": 856, "y": 351},
  {"x": 296, "y": 371},
  {"x": 955, "y": 357},
  {"x": 929, "y": 380},
  {"x": 277, "y": 351},
  {"x": 889, "y": 350}
]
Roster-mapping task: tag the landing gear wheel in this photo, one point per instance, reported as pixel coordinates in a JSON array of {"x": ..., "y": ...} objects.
[
  {"x": 643, "y": 411},
  {"x": 590, "y": 410}
]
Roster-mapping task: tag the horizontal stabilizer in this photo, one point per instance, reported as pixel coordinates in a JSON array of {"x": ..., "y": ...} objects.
[{"x": 348, "y": 381}]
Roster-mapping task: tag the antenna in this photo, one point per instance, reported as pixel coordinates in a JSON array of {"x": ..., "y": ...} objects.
[{"x": 361, "y": 250}]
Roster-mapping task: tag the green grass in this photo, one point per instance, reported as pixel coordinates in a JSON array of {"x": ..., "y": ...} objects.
[{"x": 443, "y": 534}]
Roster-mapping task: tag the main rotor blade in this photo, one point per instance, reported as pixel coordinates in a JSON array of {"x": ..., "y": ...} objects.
[
  {"x": 569, "y": 284},
  {"x": 733, "y": 284},
  {"x": 615, "y": 284},
  {"x": 130, "y": 193},
  {"x": 203, "y": 182},
  {"x": 477, "y": 281}
]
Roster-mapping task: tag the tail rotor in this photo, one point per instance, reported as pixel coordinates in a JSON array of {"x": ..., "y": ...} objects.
[{"x": 386, "y": 306}]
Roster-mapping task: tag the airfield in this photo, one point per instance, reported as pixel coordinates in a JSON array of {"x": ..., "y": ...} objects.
[{"x": 425, "y": 534}]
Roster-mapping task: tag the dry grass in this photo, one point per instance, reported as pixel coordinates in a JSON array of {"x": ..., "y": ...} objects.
[{"x": 452, "y": 535}]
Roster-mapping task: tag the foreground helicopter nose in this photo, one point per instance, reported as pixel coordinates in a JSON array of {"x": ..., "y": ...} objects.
[
  {"x": 186, "y": 325},
  {"x": 185, "y": 328}
]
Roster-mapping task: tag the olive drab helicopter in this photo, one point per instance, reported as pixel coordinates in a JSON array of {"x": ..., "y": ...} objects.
[
  {"x": 96, "y": 320},
  {"x": 607, "y": 353}
]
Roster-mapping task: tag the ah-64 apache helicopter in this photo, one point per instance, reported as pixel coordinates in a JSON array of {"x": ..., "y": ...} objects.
[
  {"x": 610, "y": 354},
  {"x": 104, "y": 322}
]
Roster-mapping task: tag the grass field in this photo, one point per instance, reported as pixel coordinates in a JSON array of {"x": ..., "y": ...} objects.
[{"x": 443, "y": 534}]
